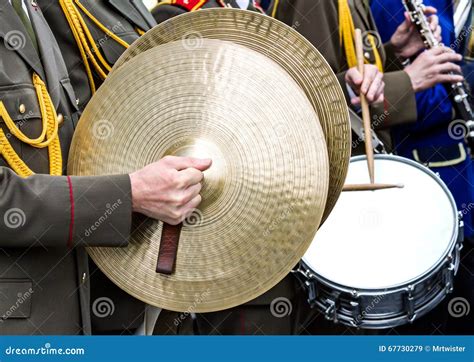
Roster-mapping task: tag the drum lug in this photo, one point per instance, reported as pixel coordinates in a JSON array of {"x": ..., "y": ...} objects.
[
  {"x": 448, "y": 276},
  {"x": 331, "y": 311},
  {"x": 312, "y": 294},
  {"x": 309, "y": 282},
  {"x": 356, "y": 314},
  {"x": 410, "y": 304}
]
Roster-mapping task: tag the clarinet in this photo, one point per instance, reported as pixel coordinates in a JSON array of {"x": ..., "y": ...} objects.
[{"x": 459, "y": 93}]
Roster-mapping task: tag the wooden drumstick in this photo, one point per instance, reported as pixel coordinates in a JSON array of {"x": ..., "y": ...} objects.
[
  {"x": 369, "y": 151},
  {"x": 370, "y": 187}
]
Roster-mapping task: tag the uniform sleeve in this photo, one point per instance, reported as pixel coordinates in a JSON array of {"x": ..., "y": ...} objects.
[
  {"x": 399, "y": 106},
  {"x": 64, "y": 211},
  {"x": 392, "y": 61}
]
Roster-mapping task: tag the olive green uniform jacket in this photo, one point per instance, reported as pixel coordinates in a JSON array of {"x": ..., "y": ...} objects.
[
  {"x": 113, "y": 310},
  {"x": 46, "y": 221},
  {"x": 123, "y": 17}
]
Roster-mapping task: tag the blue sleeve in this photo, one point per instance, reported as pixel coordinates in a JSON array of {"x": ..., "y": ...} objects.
[{"x": 433, "y": 105}]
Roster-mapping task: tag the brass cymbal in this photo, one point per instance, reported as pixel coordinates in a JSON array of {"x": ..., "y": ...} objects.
[
  {"x": 263, "y": 197},
  {"x": 286, "y": 47}
]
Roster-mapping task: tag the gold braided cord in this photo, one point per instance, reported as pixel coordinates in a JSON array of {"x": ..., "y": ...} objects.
[
  {"x": 378, "y": 58},
  {"x": 49, "y": 112},
  {"x": 346, "y": 32},
  {"x": 346, "y": 35},
  {"x": 71, "y": 14},
  {"x": 14, "y": 130},
  {"x": 101, "y": 26},
  {"x": 77, "y": 23},
  {"x": 12, "y": 158},
  {"x": 70, "y": 17},
  {"x": 90, "y": 52},
  {"x": 50, "y": 131},
  {"x": 139, "y": 31}
]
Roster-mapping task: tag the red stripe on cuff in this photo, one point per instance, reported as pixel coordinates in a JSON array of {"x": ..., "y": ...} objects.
[{"x": 71, "y": 223}]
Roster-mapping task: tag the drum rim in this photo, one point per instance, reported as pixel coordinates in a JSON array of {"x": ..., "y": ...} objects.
[{"x": 416, "y": 280}]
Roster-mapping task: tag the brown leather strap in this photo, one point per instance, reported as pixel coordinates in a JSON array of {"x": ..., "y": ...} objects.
[{"x": 168, "y": 248}]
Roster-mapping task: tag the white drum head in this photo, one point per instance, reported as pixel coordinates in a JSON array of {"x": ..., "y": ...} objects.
[{"x": 387, "y": 238}]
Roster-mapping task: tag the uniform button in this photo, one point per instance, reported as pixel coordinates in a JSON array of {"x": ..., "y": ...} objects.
[
  {"x": 22, "y": 108},
  {"x": 83, "y": 279},
  {"x": 367, "y": 55},
  {"x": 77, "y": 101},
  {"x": 60, "y": 119}
]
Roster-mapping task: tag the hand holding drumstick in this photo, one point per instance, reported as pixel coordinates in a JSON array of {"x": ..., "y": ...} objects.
[{"x": 367, "y": 130}]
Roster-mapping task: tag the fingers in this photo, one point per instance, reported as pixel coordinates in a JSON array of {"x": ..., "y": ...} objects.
[
  {"x": 355, "y": 101},
  {"x": 443, "y": 50},
  {"x": 435, "y": 27},
  {"x": 381, "y": 98},
  {"x": 439, "y": 50},
  {"x": 189, "y": 177},
  {"x": 354, "y": 78},
  {"x": 448, "y": 67},
  {"x": 371, "y": 84},
  {"x": 192, "y": 205},
  {"x": 370, "y": 73},
  {"x": 450, "y": 78},
  {"x": 434, "y": 22},
  {"x": 181, "y": 163},
  {"x": 381, "y": 94},
  {"x": 189, "y": 194},
  {"x": 376, "y": 89},
  {"x": 430, "y": 10},
  {"x": 448, "y": 57},
  {"x": 187, "y": 204},
  {"x": 183, "y": 212}
]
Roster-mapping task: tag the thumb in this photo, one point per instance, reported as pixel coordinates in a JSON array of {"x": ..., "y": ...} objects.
[{"x": 201, "y": 164}]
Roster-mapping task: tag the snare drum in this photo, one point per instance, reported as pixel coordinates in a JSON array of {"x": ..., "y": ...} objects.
[{"x": 384, "y": 258}]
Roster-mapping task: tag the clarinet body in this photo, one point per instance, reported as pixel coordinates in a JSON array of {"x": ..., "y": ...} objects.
[{"x": 458, "y": 91}]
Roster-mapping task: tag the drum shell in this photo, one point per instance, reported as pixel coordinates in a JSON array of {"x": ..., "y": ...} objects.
[{"x": 380, "y": 309}]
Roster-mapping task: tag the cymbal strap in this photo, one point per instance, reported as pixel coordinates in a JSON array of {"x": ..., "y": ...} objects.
[{"x": 168, "y": 248}]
